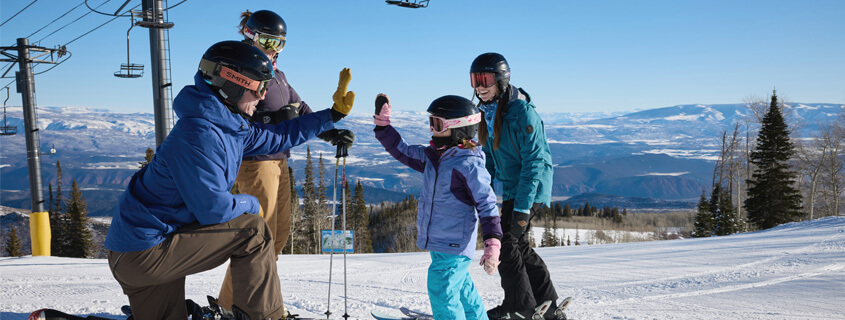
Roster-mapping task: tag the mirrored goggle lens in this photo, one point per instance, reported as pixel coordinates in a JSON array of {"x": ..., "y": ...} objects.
[
  {"x": 436, "y": 124},
  {"x": 262, "y": 87},
  {"x": 271, "y": 43},
  {"x": 482, "y": 79}
]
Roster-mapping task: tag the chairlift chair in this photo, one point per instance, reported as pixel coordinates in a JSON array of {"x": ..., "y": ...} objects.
[
  {"x": 128, "y": 69},
  {"x": 147, "y": 19},
  {"x": 409, "y": 3},
  {"x": 6, "y": 129}
]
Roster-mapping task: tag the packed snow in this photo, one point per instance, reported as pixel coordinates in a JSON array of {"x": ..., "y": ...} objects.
[{"x": 794, "y": 271}]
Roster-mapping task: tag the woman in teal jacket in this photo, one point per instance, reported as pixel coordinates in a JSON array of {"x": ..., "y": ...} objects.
[{"x": 518, "y": 156}]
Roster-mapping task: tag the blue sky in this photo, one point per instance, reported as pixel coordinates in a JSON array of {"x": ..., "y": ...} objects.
[{"x": 571, "y": 56}]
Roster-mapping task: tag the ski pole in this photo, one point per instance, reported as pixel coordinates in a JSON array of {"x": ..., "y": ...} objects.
[
  {"x": 344, "y": 186},
  {"x": 331, "y": 237}
]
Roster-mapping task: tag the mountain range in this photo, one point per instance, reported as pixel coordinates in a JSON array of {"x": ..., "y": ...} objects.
[{"x": 656, "y": 157}]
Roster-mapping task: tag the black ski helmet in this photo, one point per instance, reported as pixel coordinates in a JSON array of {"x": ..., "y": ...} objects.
[
  {"x": 495, "y": 63},
  {"x": 267, "y": 22},
  {"x": 229, "y": 66},
  {"x": 453, "y": 107}
]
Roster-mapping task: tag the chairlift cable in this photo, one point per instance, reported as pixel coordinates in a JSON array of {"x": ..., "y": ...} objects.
[
  {"x": 92, "y": 30},
  {"x": 55, "y": 65},
  {"x": 19, "y": 12},
  {"x": 102, "y": 13},
  {"x": 57, "y": 19},
  {"x": 8, "y": 84},
  {"x": 124, "y": 13},
  {"x": 77, "y": 19}
]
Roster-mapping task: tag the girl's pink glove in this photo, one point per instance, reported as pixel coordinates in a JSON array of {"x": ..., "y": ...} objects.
[
  {"x": 490, "y": 259},
  {"x": 382, "y": 116}
]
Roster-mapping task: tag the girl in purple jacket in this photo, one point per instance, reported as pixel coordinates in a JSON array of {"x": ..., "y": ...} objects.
[{"x": 455, "y": 194}]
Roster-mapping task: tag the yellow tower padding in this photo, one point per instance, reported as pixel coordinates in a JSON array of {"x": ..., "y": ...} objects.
[{"x": 39, "y": 233}]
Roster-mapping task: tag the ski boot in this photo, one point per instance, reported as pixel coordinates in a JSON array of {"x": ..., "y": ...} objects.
[
  {"x": 537, "y": 313},
  {"x": 558, "y": 313}
]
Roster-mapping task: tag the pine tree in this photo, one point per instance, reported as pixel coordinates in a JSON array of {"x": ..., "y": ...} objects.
[
  {"x": 555, "y": 239},
  {"x": 310, "y": 214},
  {"x": 361, "y": 221},
  {"x": 772, "y": 197},
  {"x": 577, "y": 236},
  {"x": 726, "y": 222},
  {"x": 79, "y": 236},
  {"x": 323, "y": 208},
  {"x": 58, "y": 219},
  {"x": 13, "y": 244},
  {"x": 147, "y": 158},
  {"x": 567, "y": 211},
  {"x": 615, "y": 215},
  {"x": 295, "y": 214},
  {"x": 547, "y": 239},
  {"x": 703, "y": 219}
]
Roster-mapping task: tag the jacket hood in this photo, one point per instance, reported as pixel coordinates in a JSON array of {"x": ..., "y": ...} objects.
[{"x": 198, "y": 101}]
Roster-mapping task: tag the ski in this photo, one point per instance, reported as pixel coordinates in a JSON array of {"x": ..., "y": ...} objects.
[
  {"x": 416, "y": 314},
  {"x": 52, "y": 314}
]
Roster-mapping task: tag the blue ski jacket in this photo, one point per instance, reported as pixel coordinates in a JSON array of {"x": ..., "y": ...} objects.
[
  {"x": 190, "y": 177},
  {"x": 455, "y": 193},
  {"x": 523, "y": 161}
]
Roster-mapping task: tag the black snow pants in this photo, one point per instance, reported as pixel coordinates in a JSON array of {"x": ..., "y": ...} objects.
[{"x": 525, "y": 277}]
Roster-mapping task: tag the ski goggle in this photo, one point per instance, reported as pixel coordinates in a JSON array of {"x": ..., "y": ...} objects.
[
  {"x": 257, "y": 87},
  {"x": 271, "y": 43},
  {"x": 440, "y": 124},
  {"x": 266, "y": 41},
  {"x": 482, "y": 79}
]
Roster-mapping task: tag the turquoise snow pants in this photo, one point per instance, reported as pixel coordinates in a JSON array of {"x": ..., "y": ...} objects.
[{"x": 451, "y": 291}]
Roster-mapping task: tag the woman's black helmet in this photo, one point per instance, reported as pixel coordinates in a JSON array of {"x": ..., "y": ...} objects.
[
  {"x": 456, "y": 107},
  {"x": 231, "y": 68},
  {"x": 492, "y": 62},
  {"x": 267, "y": 22}
]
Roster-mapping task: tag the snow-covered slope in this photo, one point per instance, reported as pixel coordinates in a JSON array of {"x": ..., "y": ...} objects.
[{"x": 794, "y": 271}]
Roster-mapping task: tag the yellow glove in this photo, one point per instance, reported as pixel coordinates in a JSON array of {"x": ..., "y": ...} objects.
[{"x": 342, "y": 99}]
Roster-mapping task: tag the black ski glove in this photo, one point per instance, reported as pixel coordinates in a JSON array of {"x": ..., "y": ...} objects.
[
  {"x": 275, "y": 117},
  {"x": 338, "y": 137},
  {"x": 519, "y": 223}
]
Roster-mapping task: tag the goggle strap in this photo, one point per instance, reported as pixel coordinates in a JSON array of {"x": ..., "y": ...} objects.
[
  {"x": 212, "y": 69},
  {"x": 248, "y": 33},
  {"x": 221, "y": 74},
  {"x": 456, "y": 122}
]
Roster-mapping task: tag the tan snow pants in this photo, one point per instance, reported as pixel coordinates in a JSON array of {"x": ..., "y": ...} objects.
[
  {"x": 269, "y": 181},
  {"x": 154, "y": 279}
]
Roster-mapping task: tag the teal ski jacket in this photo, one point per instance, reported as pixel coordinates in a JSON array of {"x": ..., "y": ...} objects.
[{"x": 523, "y": 161}]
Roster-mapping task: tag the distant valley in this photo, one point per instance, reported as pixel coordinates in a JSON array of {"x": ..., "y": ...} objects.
[{"x": 646, "y": 159}]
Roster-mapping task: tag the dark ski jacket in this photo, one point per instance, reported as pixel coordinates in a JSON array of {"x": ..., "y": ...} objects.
[
  {"x": 190, "y": 177},
  {"x": 279, "y": 94},
  {"x": 455, "y": 193},
  {"x": 523, "y": 161}
]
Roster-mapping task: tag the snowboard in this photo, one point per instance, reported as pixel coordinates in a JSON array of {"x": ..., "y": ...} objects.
[
  {"x": 195, "y": 311},
  {"x": 52, "y": 314}
]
